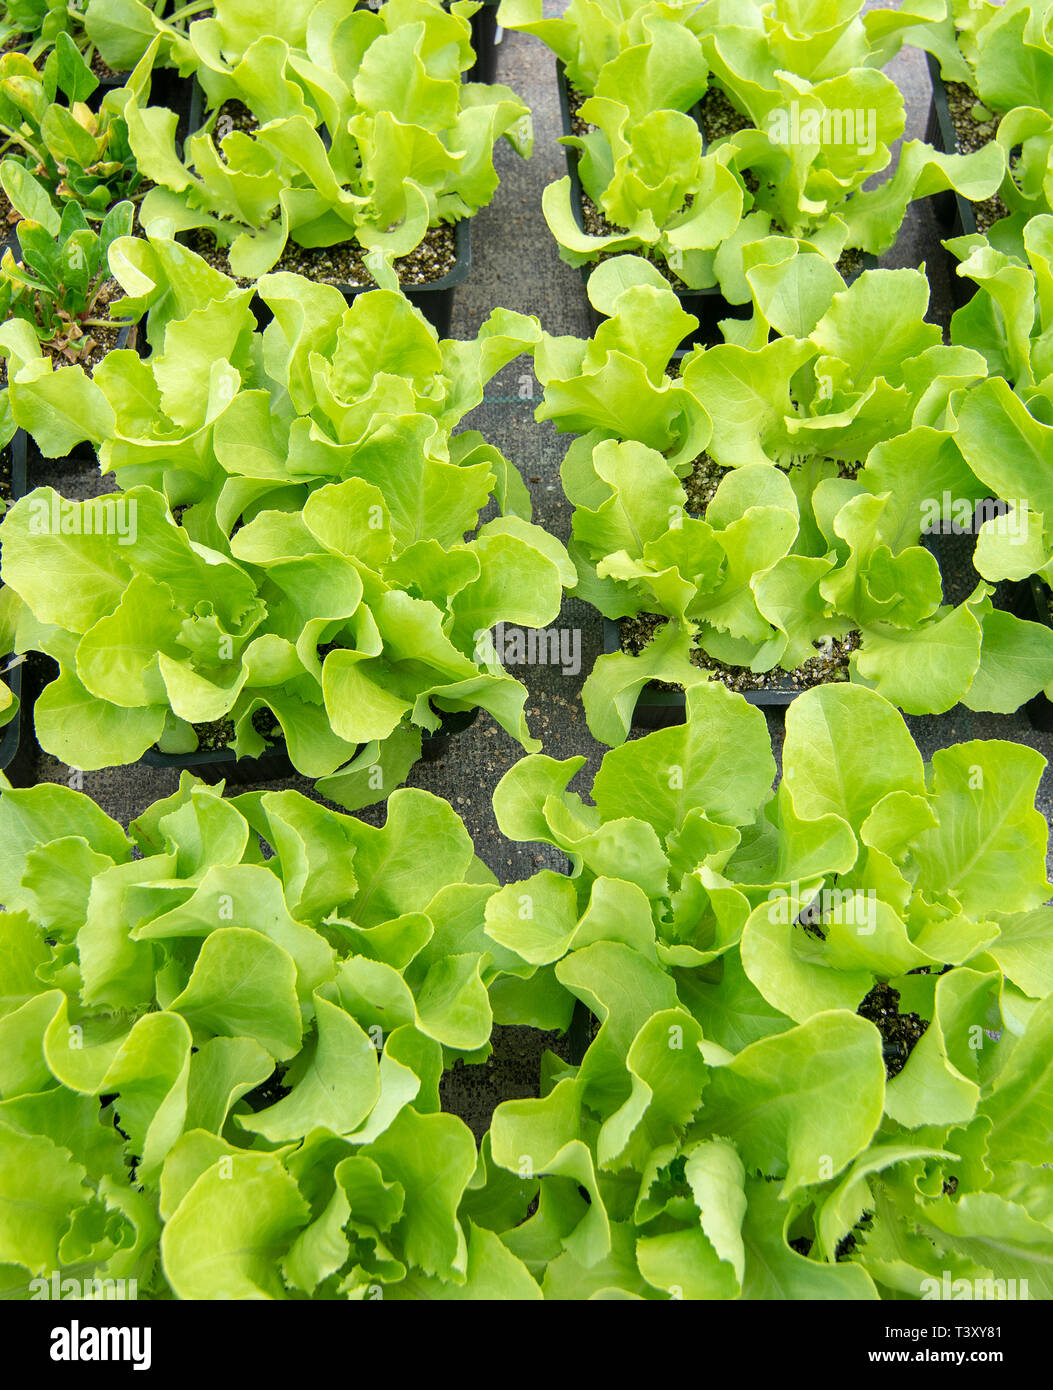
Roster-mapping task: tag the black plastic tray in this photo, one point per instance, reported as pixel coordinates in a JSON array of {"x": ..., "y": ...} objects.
[
  {"x": 434, "y": 300},
  {"x": 486, "y": 35},
  {"x": 952, "y": 210},
  {"x": 216, "y": 764},
  {"x": 955, "y": 214},
  {"x": 657, "y": 708},
  {"x": 15, "y": 741}
]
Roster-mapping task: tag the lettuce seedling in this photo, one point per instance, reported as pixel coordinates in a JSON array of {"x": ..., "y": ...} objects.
[
  {"x": 1004, "y": 54},
  {"x": 369, "y": 135},
  {"x": 609, "y": 48},
  {"x": 820, "y": 122},
  {"x": 338, "y": 624},
  {"x": 321, "y": 491},
  {"x": 329, "y": 390},
  {"x": 258, "y": 990},
  {"x": 123, "y": 30},
  {"x": 815, "y": 1013},
  {"x": 1005, "y": 426},
  {"x": 799, "y": 546}
]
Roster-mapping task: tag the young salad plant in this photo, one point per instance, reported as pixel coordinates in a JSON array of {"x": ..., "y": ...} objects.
[
  {"x": 608, "y": 47},
  {"x": 329, "y": 565},
  {"x": 822, "y": 1018},
  {"x": 369, "y": 135},
  {"x": 798, "y": 546},
  {"x": 819, "y": 122},
  {"x": 179, "y": 1010},
  {"x": 123, "y": 30},
  {"x": 219, "y": 416},
  {"x": 1003, "y": 53},
  {"x": 1005, "y": 426},
  {"x": 328, "y": 625}
]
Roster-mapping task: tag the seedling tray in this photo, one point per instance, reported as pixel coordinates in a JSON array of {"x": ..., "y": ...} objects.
[
  {"x": 952, "y": 210},
  {"x": 219, "y": 764},
  {"x": 486, "y": 35},
  {"x": 434, "y": 299},
  {"x": 709, "y": 306},
  {"x": 955, "y": 214},
  {"x": 15, "y": 742},
  {"x": 657, "y": 708}
]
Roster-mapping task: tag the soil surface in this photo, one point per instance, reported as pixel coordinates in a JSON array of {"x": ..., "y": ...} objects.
[
  {"x": 218, "y": 734},
  {"x": 104, "y": 72},
  {"x": 343, "y": 264},
  {"x": 900, "y": 1032},
  {"x": 825, "y": 668},
  {"x": 972, "y": 133},
  {"x": 719, "y": 118}
]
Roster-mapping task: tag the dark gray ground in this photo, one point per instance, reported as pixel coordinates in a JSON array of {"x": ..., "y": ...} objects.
[{"x": 515, "y": 264}]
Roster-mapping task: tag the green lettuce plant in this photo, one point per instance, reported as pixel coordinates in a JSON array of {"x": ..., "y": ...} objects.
[
  {"x": 123, "y": 30},
  {"x": 811, "y": 185},
  {"x": 220, "y": 1070},
  {"x": 1009, "y": 320},
  {"x": 751, "y": 40},
  {"x": 328, "y": 391},
  {"x": 316, "y": 471},
  {"x": 609, "y": 47},
  {"x": 1005, "y": 426},
  {"x": 370, "y": 135},
  {"x": 656, "y": 189},
  {"x": 998, "y": 49},
  {"x": 799, "y": 546},
  {"x": 1004, "y": 54},
  {"x": 614, "y": 385},
  {"x": 820, "y": 121},
  {"x": 326, "y": 622},
  {"x": 820, "y": 369},
  {"x": 737, "y": 1129}
]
